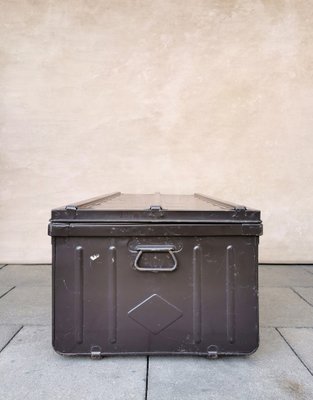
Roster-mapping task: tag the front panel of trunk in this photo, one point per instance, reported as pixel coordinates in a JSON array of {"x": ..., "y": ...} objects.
[{"x": 155, "y": 295}]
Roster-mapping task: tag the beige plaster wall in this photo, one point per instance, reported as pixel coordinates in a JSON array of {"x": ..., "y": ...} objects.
[{"x": 151, "y": 95}]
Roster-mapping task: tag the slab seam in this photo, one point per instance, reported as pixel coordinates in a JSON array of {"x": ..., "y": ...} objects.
[
  {"x": 8, "y": 291},
  {"x": 310, "y": 272},
  {"x": 283, "y": 287},
  {"x": 31, "y": 264},
  {"x": 147, "y": 378},
  {"x": 286, "y": 327},
  {"x": 294, "y": 290},
  {"x": 295, "y": 353},
  {"x": 286, "y": 264},
  {"x": 6, "y": 345},
  {"x": 34, "y": 325}
]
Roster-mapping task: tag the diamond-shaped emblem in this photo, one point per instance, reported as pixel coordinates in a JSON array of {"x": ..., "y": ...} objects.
[{"x": 155, "y": 314}]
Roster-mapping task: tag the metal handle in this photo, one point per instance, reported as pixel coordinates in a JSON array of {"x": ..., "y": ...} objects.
[{"x": 155, "y": 249}]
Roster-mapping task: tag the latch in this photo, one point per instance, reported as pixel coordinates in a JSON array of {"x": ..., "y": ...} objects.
[
  {"x": 156, "y": 208},
  {"x": 212, "y": 351},
  {"x": 95, "y": 352},
  {"x": 156, "y": 211}
]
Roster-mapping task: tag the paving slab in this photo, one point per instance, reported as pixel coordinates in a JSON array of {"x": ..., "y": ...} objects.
[
  {"x": 26, "y": 275},
  {"x": 305, "y": 293},
  {"x": 4, "y": 290},
  {"x": 6, "y": 334},
  {"x": 273, "y": 372},
  {"x": 284, "y": 276},
  {"x": 282, "y": 307},
  {"x": 309, "y": 268},
  {"x": 301, "y": 340},
  {"x": 31, "y": 370},
  {"x": 26, "y": 306}
]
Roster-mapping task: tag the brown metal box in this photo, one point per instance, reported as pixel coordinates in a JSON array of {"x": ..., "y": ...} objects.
[{"x": 155, "y": 274}]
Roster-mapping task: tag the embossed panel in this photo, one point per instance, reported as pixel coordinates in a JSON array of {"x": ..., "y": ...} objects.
[{"x": 155, "y": 314}]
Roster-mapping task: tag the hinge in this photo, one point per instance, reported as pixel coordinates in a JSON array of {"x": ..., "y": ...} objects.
[
  {"x": 95, "y": 353},
  {"x": 71, "y": 208},
  {"x": 212, "y": 352},
  {"x": 240, "y": 208}
]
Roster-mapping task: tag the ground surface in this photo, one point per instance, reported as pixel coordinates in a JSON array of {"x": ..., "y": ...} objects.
[{"x": 282, "y": 368}]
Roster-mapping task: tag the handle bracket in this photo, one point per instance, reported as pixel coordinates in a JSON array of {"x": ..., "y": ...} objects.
[{"x": 155, "y": 249}]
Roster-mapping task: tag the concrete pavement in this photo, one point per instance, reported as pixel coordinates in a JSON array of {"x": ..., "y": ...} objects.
[{"x": 282, "y": 368}]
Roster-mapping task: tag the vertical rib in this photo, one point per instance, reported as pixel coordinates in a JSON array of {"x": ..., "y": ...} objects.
[
  {"x": 112, "y": 311},
  {"x": 196, "y": 270},
  {"x": 79, "y": 294},
  {"x": 230, "y": 293}
]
